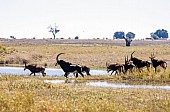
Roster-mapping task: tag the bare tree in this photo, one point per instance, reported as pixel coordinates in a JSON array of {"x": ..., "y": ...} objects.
[{"x": 54, "y": 30}]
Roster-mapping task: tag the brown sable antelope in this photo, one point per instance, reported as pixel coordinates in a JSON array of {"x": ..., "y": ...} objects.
[
  {"x": 156, "y": 63},
  {"x": 117, "y": 68},
  {"x": 139, "y": 63},
  {"x": 128, "y": 65},
  {"x": 34, "y": 68},
  {"x": 68, "y": 67}
]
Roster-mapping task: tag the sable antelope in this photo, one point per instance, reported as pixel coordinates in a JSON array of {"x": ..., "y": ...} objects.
[
  {"x": 68, "y": 67},
  {"x": 157, "y": 63},
  {"x": 140, "y": 63},
  {"x": 34, "y": 68},
  {"x": 117, "y": 68},
  {"x": 83, "y": 69},
  {"x": 128, "y": 65}
]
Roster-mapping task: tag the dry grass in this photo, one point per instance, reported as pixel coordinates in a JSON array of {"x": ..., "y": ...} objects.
[
  {"x": 31, "y": 94},
  {"x": 22, "y": 93},
  {"x": 93, "y": 55}
]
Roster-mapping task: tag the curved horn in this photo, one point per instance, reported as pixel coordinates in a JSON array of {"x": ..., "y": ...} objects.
[
  {"x": 152, "y": 55},
  {"x": 25, "y": 62},
  {"x": 132, "y": 54},
  {"x": 58, "y": 56}
]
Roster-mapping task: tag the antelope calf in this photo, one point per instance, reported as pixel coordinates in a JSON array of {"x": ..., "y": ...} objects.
[
  {"x": 117, "y": 68},
  {"x": 156, "y": 63},
  {"x": 34, "y": 68}
]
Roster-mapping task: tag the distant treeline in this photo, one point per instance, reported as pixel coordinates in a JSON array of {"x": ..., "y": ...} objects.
[{"x": 158, "y": 34}]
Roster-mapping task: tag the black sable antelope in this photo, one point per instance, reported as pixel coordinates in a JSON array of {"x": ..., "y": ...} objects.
[
  {"x": 157, "y": 63},
  {"x": 117, "y": 68},
  {"x": 70, "y": 68},
  {"x": 83, "y": 69},
  {"x": 128, "y": 65},
  {"x": 34, "y": 68},
  {"x": 140, "y": 63}
]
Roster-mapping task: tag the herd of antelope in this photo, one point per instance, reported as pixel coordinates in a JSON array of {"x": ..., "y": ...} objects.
[
  {"x": 137, "y": 63},
  {"x": 129, "y": 65}
]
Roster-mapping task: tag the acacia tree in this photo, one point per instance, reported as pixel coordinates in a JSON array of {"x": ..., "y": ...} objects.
[
  {"x": 54, "y": 30},
  {"x": 130, "y": 35},
  {"x": 118, "y": 35},
  {"x": 160, "y": 34},
  {"x": 121, "y": 35}
]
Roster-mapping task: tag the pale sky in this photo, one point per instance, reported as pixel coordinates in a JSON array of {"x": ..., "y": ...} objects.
[{"x": 83, "y": 18}]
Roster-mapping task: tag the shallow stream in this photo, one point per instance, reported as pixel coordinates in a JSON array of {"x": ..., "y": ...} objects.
[
  {"x": 49, "y": 71},
  {"x": 59, "y": 73},
  {"x": 108, "y": 84}
]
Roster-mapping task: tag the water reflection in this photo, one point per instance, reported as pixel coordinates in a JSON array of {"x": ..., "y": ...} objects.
[
  {"x": 55, "y": 81},
  {"x": 108, "y": 84},
  {"x": 60, "y": 81},
  {"x": 123, "y": 85}
]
